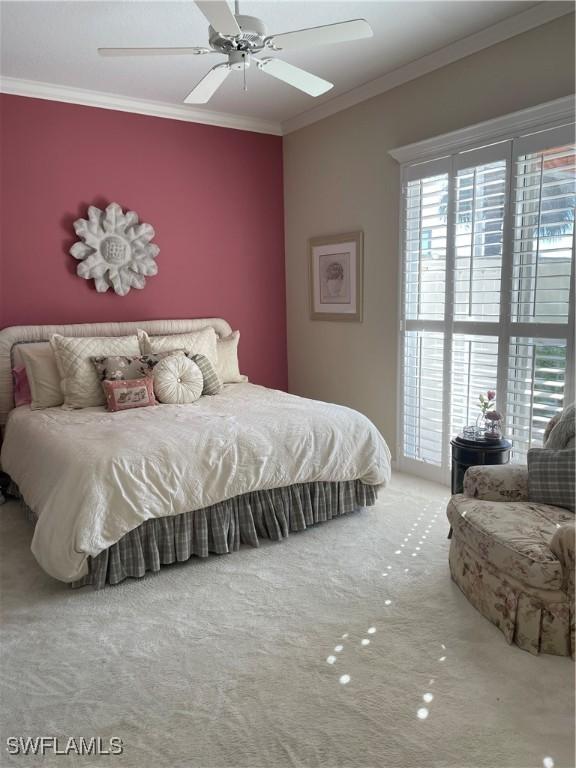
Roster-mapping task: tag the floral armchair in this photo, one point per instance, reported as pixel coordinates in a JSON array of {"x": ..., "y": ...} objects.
[{"x": 514, "y": 559}]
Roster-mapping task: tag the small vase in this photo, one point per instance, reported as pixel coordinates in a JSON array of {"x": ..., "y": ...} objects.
[{"x": 480, "y": 426}]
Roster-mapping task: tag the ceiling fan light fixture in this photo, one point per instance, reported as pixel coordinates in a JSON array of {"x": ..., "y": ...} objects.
[
  {"x": 251, "y": 38},
  {"x": 239, "y": 60}
]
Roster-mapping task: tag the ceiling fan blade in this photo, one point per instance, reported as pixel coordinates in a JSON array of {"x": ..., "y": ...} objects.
[
  {"x": 219, "y": 16},
  {"x": 208, "y": 86},
  {"x": 330, "y": 33},
  {"x": 196, "y": 51},
  {"x": 299, "y": 78}
]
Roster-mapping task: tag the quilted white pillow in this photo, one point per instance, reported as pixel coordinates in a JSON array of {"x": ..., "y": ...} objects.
[
  {"x": 196, "y": 342},
  {"x": 177, "y": 380},
  {"x": 227, "y": 367},
  {"x": 78, "y": 378}
]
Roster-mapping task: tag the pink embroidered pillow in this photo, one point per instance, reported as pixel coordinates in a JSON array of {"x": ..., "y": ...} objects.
[
  {"x": 22, "y": 394},
  {"x": 133, "y": 393}
]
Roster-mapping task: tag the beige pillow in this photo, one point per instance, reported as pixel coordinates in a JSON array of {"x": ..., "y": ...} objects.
[
  {"x": 196, "y": 343},
  {"x": 42, "y": 373},
  {"x": 227, "y": 367},
  {"x": 19, "y": 346},
  {"x": 78, "y": 377},
  {"x": 177, "y": 380}
]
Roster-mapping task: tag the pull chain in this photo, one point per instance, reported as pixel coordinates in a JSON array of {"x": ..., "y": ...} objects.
[{"x": 245, "y": 86}]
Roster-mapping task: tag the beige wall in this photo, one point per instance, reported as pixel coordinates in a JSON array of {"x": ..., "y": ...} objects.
[{"x": 338, "y": 177}]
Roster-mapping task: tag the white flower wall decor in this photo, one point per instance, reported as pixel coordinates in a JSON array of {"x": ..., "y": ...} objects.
[{"x": 116, "y": 251}]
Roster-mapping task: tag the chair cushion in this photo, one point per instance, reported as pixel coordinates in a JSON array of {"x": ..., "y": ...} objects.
[
  {"x": 561, "y": 431},
  {"x": 513, "y": 536}
]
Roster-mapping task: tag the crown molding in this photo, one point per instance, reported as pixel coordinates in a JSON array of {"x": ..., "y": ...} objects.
[
  {"x": 39, "y": 90},
  {"x": 515, "y": 25},
  {"x": 497, "y": 33},
  {"x": 525, "y": 121}
]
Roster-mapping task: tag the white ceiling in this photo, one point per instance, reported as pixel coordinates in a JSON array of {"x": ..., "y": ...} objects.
[{"x": 56, "y": 42}]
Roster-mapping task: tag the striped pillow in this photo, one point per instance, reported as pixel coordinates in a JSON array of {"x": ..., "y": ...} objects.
[
  {"x": 551, "y": 478},
  {"x": 212, "y": 383}
]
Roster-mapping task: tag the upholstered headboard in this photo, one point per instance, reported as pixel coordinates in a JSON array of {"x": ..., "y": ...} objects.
[{"x": 18, "y": 334}]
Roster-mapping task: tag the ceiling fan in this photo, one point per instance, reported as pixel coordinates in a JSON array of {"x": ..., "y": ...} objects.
[{"x": 241, "y": 37}]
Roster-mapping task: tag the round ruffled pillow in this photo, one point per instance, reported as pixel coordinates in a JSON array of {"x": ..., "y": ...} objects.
[{"x": 177, "y": 379}]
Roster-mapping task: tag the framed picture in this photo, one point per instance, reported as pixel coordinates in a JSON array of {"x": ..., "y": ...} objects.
[{"x": 336, "y": 277}]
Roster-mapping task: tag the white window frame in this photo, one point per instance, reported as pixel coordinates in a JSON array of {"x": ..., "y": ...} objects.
[{"x": 507, "y": 137}]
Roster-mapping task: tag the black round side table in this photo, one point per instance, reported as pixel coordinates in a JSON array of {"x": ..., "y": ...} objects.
[{"x": 469, "y": 452}]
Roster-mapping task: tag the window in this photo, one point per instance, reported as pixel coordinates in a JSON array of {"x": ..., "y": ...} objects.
[{"x": 488, "y": 260}]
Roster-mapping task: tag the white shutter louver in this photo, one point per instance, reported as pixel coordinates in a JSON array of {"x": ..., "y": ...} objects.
[
  {"x": 535, "y": 391},
  {"x": 474, "y": 366},
  {"x": 480, "y": 202},
  {"x": 422, "y": 407},
  {"x": 426, "y": 234},
  {"x": 543, "y": 235}
]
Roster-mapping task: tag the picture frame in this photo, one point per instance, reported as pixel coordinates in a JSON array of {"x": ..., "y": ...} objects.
[{"x": 336, "y": 272}]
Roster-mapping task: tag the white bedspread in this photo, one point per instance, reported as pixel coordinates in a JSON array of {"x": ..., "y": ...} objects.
[{"x": 92, "y": 476}]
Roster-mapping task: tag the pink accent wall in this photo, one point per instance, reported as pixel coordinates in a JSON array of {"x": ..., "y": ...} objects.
[{"x": 213, "y": 195}]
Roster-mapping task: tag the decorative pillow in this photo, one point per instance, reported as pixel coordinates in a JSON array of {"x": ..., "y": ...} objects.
[
  {"x": 120, "y": 368},
  {"x": 15, "y": 355},
  {"x": 551, "y": 477},
  {"x": 178, "y": 380},
  {"x": 212, "y": 383},
  {"x": 43, "y": 376},
  {"x": 227, "y": 367},
  {"x": 202, "y": 342},
  {"x": 22, "y": 395},
  {"x": 78, "y": 377},
  {"x": 123, "y": 394},
  {"x": 563, "y": 431}
]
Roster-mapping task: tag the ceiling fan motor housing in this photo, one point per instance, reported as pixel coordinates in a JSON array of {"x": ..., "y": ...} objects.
[{"x": 251, "y": 40}]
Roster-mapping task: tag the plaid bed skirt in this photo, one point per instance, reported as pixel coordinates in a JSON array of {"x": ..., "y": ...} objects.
[{"x": 222, "y": 528}]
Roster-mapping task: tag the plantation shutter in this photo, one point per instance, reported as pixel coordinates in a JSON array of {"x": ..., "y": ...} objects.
[
  {"x": 487, "y": 298},
  {"x": 474, "y": 370},
  {"x": 425, "y": 245},
  {"x": 423, "y": 385},
  {"x": 540, "y": 364},
  {"x": 481, "y": 193},
  {"x": 535, "y": 389},
  {"x": 543, "y": 229}
]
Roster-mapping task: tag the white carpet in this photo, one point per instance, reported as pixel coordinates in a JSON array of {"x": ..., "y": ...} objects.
[{"x": 226, "y": 662}]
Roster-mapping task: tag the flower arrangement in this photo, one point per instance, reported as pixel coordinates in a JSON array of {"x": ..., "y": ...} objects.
[
  {"x": 487, "y": 401},
  {"x": 489, "y": 422}
]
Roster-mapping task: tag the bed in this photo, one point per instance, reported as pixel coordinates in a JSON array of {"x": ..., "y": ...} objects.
[{"x": 114, "y": 495}]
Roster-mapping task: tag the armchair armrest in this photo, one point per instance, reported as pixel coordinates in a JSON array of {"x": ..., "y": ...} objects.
[
  {"x": 563, "y": 546},
  {"x": 500, "y": 482}
]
